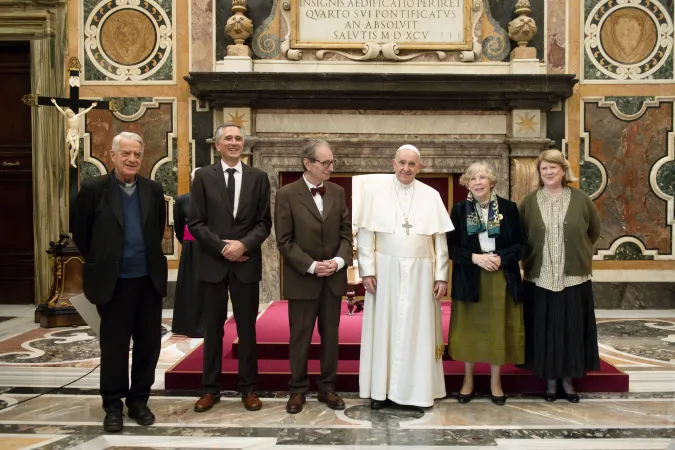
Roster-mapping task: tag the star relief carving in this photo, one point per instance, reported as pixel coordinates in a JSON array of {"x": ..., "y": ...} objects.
[
  {"x": 238, "y": 119},
  {"x": 526, "y": 123}
]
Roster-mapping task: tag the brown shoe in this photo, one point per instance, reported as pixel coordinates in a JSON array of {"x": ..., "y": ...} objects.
[
  {"x": 295, "y": 403},
  {"x": 332, "y": 400},
  {"x": 206, "y": 402},
  {"x": 251, "y": 401}
]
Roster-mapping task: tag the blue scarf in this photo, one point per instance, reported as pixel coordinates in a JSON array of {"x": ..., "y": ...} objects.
[{"x": 474, "y": 222}]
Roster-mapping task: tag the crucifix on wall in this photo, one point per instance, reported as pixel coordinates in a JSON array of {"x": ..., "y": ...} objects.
[{"x": 70, "y": 109}]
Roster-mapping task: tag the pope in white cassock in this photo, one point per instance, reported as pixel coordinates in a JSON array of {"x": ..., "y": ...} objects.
[{"x": 403, "y": 260}]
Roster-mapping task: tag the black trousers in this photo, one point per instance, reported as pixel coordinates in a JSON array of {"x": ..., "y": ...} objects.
[
  {"x": 302, "y": 316},
  {"x": 134, "y": 312},
  {"x": 245, "y": 299}
]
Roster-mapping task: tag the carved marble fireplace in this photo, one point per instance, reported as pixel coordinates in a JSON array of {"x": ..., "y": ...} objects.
[{"x": 453, "y": 119}]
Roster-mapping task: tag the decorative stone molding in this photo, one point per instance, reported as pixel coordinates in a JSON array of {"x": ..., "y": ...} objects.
[
  {"x": 527, "y": 148},
  {"x": 275, "y": 155},
  {"x": 29, "y": 19},
  {"x": 418, "y": 91}
]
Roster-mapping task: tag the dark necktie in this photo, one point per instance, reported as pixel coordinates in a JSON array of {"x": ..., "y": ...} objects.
[
  {"x": 320, "y": 190},
  {"x": 230, "y": 185}
]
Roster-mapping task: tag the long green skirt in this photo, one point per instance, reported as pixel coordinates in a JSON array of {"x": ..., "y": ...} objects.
[{"x": 490, "y": 330}]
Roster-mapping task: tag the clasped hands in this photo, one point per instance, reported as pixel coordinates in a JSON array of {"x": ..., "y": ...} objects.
[
  {"x": 234, "y": 251},
  {"x": 325, "y": 268},
  {"x": 440, "y": 287},
  {"x": 489, "y": 261}
]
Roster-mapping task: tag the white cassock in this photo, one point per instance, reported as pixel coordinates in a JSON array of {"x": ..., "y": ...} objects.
[{"x": 401, "y": 338}]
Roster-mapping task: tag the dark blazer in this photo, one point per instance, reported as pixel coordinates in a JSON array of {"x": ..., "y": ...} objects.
[
  {"x": 211, "y": 221},
  {"x": 181, "y": 209},
  {"x": 98, "y": 232},
  {"x": 510, "y": 245},
  {"x": 303, "y": 236}
]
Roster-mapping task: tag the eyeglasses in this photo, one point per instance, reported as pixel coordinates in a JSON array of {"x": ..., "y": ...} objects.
[{"x": 326, "y": 164}]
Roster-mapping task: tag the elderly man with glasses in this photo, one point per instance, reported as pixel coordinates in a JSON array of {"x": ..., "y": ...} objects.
[{"x": 314, "y": 236}]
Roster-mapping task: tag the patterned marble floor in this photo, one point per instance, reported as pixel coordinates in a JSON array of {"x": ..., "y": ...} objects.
[{"x": 33, "y": 414}]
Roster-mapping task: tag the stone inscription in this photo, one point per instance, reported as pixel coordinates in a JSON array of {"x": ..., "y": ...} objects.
[{"x": 381, "y": 21}]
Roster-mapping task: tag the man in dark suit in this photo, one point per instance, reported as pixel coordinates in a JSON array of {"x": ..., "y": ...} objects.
[
  {"x": 314, "y": 236},
  {"x": 118, "y": 229},
  {"x": 230, "y": 219}
]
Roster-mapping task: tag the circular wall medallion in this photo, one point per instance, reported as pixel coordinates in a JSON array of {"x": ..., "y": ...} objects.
[
  {"x": 128, "y": 40},
  {"x": 628, "y": 35},
  {"x": 628, "y": 39},
  {"x": 128, "y": 36}
]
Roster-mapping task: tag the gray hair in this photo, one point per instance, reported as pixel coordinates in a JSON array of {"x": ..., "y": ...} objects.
[
  {"x": 219, "y": 131},
  {"x": 127, "y": 135},
  {"x": 476, "y": 168},
  {"x": 309, "y": 150}
]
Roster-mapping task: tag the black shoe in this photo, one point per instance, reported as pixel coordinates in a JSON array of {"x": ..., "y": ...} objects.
[
  {"x": 464, "y": 398},
  {"x": 501, "y": 400},
  {"x": 142, "y": 415},
  {"x": 550, "y": 396},
  {"x": 378, "y": 404},
  {"x": 572, "y": 398},
  {"x": 113, "y": 422}
]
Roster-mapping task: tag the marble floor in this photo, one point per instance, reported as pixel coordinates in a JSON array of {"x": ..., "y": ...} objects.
[{"x": 36, "y": 412}]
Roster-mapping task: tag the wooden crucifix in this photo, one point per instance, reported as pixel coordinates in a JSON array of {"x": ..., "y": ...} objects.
[{"x": 70, "y": 109}]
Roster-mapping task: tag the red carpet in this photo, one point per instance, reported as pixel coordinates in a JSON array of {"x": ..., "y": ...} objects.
[{"x": 274, "y": 368}]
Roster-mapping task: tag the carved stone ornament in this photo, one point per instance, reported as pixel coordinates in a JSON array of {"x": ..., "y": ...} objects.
[
  {"x": 368, "y": 50},
  {"x": 523, "y": 28},
  {"x": 239, "y": 28}
]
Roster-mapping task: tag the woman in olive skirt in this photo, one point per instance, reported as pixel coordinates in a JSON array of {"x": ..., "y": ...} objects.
[
  {"x": 486, "y": 323},
  {"x": 188, "y": 309},
  {"x": 561, "y": 224}
]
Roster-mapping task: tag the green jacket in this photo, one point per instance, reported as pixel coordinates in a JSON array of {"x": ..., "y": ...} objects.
[{"x": 581, "y": 229}]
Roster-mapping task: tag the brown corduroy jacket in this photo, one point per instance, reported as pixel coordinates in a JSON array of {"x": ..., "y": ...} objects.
[{"x": 304, "y": 236}]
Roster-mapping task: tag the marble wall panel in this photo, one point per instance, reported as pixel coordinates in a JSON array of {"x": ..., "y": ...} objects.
[
  {"x": 556, "y": 38},
  {"x": 154, "y": 121},
  {"x": 628, "y": 42},
  {"x": 627, "y": 151},
  {"x": 128, "y": 42},
  {"x": 201, "y": 36},
  {"x": 102, "y": 125}
]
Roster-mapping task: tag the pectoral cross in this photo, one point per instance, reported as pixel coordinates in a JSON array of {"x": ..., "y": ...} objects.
[{"x": 407, "y": 227}]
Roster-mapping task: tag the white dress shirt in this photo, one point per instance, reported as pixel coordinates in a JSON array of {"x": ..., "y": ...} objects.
[
  {"x": 237, "y": 183},
  {"x": 318, "y": 200}
]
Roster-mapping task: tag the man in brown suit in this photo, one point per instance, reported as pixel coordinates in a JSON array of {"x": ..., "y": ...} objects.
[{"x": 314, "y": 236}]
